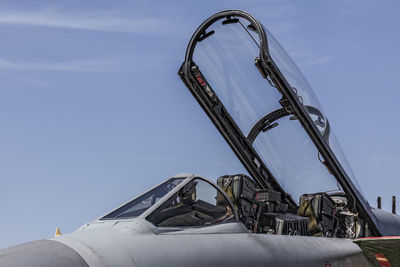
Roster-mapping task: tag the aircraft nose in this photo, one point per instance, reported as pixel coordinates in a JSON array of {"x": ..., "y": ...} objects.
[{"x": 43, "y": 253}]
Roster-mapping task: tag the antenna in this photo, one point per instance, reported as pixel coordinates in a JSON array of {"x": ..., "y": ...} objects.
[
  {"x": 379, "y": 200},
  {"x": 394, "y": 204}
]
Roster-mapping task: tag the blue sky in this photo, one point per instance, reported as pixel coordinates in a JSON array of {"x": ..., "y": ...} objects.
[{"x": 92, "y": 112}]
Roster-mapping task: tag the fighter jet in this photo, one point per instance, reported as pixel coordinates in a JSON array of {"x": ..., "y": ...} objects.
[{"x": 299, "y": 205}]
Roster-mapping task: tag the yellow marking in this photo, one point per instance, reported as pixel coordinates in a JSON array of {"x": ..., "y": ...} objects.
[{"x": 58, "y": 232}]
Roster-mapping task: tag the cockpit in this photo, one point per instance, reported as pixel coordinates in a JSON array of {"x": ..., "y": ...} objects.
[
  {"x": 185, "y": 202},
  {"x": 298, "y": 181},
  {"x": 180, "y": 203}
]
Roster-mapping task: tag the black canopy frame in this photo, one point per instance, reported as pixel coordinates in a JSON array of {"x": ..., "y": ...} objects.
[{"x": 242, "y": 145}]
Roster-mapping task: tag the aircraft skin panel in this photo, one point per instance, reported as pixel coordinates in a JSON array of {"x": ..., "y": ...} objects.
[
  {"x": 41, "y": 253},
  {"x": 121, "y": 248},
  {"x": 100, "y": 247}
]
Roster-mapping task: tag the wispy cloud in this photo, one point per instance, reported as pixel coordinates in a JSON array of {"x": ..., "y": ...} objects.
[
  {"x": 81, "y": 66},
  {"x": 308, "y": 59},
  {"x": 13, "y": 79},
  {"x": 316, "y": 61},
  {"x": 57, "y": 17}
]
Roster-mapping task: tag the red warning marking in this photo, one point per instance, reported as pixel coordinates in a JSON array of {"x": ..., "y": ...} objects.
[
  {"x": 382, "y": 260},
  {"x": 200, "y": 80}
]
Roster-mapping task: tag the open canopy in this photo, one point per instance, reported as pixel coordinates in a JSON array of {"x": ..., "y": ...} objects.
[{"x": 267, "y": 112}]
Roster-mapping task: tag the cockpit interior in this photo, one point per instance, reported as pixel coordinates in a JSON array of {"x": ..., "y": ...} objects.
[{"x": 188, "y": 202}]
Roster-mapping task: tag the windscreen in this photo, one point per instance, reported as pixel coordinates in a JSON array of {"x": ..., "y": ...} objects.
[
  {"x": 139, "y": 205},
  {"x": 226, "y": 58}
]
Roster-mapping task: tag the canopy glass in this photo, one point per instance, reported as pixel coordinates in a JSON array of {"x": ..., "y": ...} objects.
[{"x": 226, "y": 58}]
